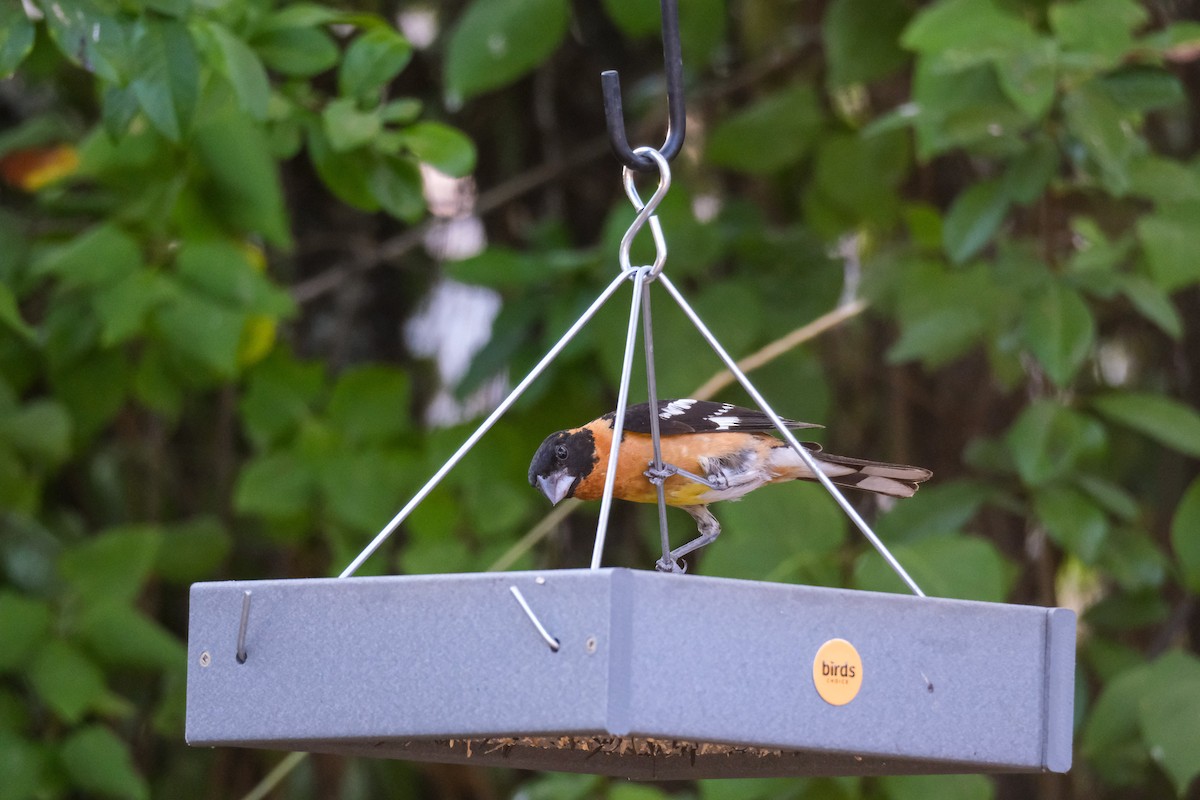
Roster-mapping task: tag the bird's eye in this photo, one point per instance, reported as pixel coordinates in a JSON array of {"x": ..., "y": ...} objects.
[{"x": 560, "y": 452}]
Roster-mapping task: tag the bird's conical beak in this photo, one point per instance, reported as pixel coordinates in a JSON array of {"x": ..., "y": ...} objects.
[{"x": 556, "y": 485}]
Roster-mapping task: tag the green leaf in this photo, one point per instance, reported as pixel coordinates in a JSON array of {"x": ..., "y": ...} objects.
[
  {"x": 395, "y": 184},
  {"x": 942, "y": 787},
  {"x": 1132, "y": 559},
  {"x": 973, "y": 219},
  {"x": 856, "y": 176},
  {"x": 124, "y": 306},
  {"x": 965, "y": 567},
  {"x": 495, "y": 42},
  {"x": 113, "y": 565},
  {"x": 1185, "y": 536},
  {"x": 1154, "y": 304},
  {"x": 776, "y": 131},
  {"x": 803, "y": 528},
  {"x": 348, "y": 128},
  {"x": 962, "y": 33},
  {"x": 1113, "y": 498},
  {"x": 1167, "y": 714},
  {"x": 121, "y": 636},
  {"x": 167, "y": 81},
  {"x": 279, "y": 396},
  {"x": 370, "y": 404},
  {"x": 1102, "y": 127},
  {"x": 193, "y": 550},
  {"x": 363, "y": 488},
  {"x": 441, "y": 146},
  {"x": 1059, "y": 331},
  {"x": 1047, "y": 441},
  {"x": 243, "y": 186},
  {"x": 16, "y": 38},
  {"x": 92, "y": 389},
  {"x": 1143, "y": 89},
  {"x": 299, "y": 51},
  {"x": 40, "y": 429},
  {"x": 940, "y": 336},
  {"x": 1074, "y": 25},
  {"x": 301, "y": 15},
  {"x": 66, "y": 680},
  {"x": 1170, "y": 239},
  {"x": 10, "y": 315},
  {"x": 350, "y": 176},
  {"x": 244, "y": 69},
  {"x": 276, "y": 486},
  {"x": 934, "y": 511},
  {"x": 1167, "y": 421},
  {"x": 156, "y": 381},
  {"x": 92, "y": 37},
  {"x": 861, "y": 39},
  {"x": 24, "y": 764},
  {"x": 1110, "y": 739},
  {"x": 1164, "y": 180},
  {"x": 1177, "y": 41},
  {"x": 206, "y": 331},
  {"x": 372, "y": 60},
  {"x": 26, "y": 626},
  {"x": 1029, "y": 76},
  {"x": 101, "y": 256},
  {"x": 635, "y": 18},
  {"x": 1072, "y": 520},
  {"x": 99, "y": 762},
  {"x": 224, "y": 271},
  {"x": 1030, "y": 173}
]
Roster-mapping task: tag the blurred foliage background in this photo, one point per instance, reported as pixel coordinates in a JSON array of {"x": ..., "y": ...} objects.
[{"x": 263, "y": 264}]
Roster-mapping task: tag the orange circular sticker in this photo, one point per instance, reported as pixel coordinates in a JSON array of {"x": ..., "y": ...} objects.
[{"x": 837, "y": 672}]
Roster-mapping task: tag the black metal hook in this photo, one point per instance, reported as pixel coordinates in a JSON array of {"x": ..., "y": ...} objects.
[{"x": 614, "y": 116}]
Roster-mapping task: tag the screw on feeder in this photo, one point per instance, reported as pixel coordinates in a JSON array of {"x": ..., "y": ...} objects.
[
  {"x": 241, "y": 638},
  {"x": 614, "y": 116}
]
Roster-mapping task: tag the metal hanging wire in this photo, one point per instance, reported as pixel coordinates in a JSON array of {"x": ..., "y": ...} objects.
[
  {"x": 643, "y": 276},
  {"x": 614, "y": 117}
]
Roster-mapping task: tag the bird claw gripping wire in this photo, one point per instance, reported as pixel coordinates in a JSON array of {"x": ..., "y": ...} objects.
[
  {"x": 658, "y": 473},
  {"x": 669, "y": 564}
]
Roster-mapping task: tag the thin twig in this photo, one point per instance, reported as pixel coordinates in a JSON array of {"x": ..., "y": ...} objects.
[{"x": 275, "y": 776}]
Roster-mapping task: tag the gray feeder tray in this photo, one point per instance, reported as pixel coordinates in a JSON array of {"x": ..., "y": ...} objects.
[{"x": 655, "y": 676}]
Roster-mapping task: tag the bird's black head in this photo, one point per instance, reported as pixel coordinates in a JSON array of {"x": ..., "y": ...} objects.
[{"x": 561, "y": 462}]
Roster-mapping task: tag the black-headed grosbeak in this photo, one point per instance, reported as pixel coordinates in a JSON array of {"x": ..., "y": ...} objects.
[{"x": 710, "y": 452}]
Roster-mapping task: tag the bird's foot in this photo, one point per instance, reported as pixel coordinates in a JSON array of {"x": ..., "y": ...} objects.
[
  {"x": 675, "y": 565},
  {"x": 657, "y": 475}
]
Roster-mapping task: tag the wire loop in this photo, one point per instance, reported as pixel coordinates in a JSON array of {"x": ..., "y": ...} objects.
[{"x": 646, "y": 214}]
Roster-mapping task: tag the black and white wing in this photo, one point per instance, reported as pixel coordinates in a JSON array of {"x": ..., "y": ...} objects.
[{"x": 700, "y": 416}]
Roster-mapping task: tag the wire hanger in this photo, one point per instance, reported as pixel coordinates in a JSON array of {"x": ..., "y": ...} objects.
[{"x": 614, "y": 116}]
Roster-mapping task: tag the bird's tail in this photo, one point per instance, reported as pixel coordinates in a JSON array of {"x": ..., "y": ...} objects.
[{"x": 894, "y": 480}]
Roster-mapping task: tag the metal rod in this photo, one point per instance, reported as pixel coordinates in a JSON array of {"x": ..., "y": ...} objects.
[
  {"x": 655, "y": 435},
  {"x": 645, "y": 212},
  {"x": 809, "y": 461},
  {"x": 614, "y": 116},
  {"x": 550, "y": 640},
  {"x": 639, "y": 278},
  {"x": 390, "y": 528},
  {"x": 241, "y": 640}
]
